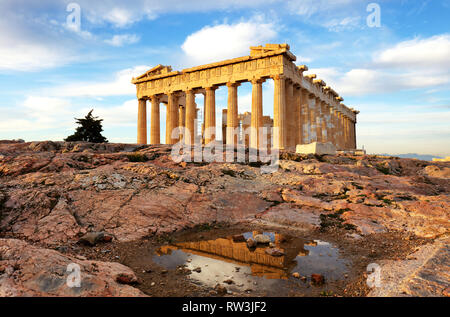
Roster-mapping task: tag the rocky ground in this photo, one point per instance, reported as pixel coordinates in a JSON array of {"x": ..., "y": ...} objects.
[{"x": 52, "y": 194}]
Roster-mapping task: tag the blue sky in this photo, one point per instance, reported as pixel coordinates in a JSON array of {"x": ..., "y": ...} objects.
[{"x": 397, "y": 75}]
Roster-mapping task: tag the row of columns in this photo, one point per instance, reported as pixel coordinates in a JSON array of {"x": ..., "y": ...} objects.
[{"x": 299, "y": 117}]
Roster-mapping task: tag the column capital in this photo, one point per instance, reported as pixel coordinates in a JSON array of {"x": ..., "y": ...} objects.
[
  {"x": 289, "y": 80},
  {"x": 257, "y": 80},
  {"x": 155, "y": 98},
  {"x": 233, "y": 84},
  {"x": 279, "y": 76},
  {"x": 211, "y": 88}
]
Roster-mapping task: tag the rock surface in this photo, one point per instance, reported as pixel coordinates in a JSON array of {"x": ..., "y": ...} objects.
[
  {"x": 54, "y": 193},
  {"x": 33, "y": 271},
  {"x": 423, "y": 273}
]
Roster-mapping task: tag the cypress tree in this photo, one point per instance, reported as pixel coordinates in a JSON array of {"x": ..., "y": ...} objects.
[{"x": 89, "y": 130}]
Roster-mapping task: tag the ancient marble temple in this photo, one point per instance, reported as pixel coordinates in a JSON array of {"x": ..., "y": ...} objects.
[{"x": 305, "y": 110}]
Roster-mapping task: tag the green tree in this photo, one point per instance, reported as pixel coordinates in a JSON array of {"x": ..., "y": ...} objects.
[{"x": 90, "y": 130}]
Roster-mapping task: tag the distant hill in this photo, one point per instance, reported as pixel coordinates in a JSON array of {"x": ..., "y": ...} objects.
[{"x": 423, "y": 157}]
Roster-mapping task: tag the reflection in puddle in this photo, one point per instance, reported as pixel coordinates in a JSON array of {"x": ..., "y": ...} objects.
[{"x": 224, "y": 259}]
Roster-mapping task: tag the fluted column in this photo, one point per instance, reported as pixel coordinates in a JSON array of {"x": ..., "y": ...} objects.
[
  {"x": 297, "y": 113},
  {"x": 257, "y": 113},
  {"x": 304, "y": 117},
  {"x": 210, "y": 115},
  {"x": 279, "y": 110},
  {"x": 171, "y": 117},
  {"x": 342, "y": 130},
  {"x": 333, "y": 129},
  {"x": 181, "y": 120},
  {"x": 346, "y": 130},
  {"x": 355, "y": 144},
  {"x": 312, "y": 118},
  {"x": 155, "y": 121},
  {"x": 289, "y": 114},
  {"x": 350, "y": 134},
  {"x": 338, "y": 129},
  {"x": 232, "y": 114},
  {"x": 350, "y": 137},
  {"x": 191, "y": 114},
  {"x": 142, "y": 122},
  {"x": 323, "y": 122},
  {"x": 319, "y": 120}
]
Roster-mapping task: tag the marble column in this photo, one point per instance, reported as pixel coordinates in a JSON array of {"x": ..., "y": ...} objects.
[
  {"x": 257, "y": 113},
  {"x": 289, "y": 114},
  {"x": 304, "y": 117},
  {"x": 210, "y": 114},
  {"x": 181, "y": 121},
  {"x": 155, "y": 121},
  {"x": 142, "y": 122},
  {"x": 346, "y": 136},
  {"x": 349, "y": 138},
  {"x": 325, "y": 122},
  {"x": 342, "y": 130},
  {"x": 319, "y": 119},
  {"x": 350, "y": 134},
  {"x": 338, "y": 130},
  {"x": 297, "y": 113},
  {"x": 333, "y": 129},
  {"x": 171, "y": 117},
  {"x": 279, "y": 109},
  {"x": 232, "y": 114},
  {"x": 191, "y": 114},
  {"x": 312, "y": 119}
]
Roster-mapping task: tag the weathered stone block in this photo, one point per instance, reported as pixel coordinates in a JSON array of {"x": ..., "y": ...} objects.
[{"x": 316, "y": 148}]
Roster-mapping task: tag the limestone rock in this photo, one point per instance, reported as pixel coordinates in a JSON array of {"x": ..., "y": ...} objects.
[
  {"x": 274, "y": 252},
  {"x": 317, "y": 279},
  {"x": 92, "y": 238},
  {"x": 251, "y": 244},
  {"x": 33, "y": 271},
  {"x": 316, "y": 148},
  {"x": 262, "y": 239}
]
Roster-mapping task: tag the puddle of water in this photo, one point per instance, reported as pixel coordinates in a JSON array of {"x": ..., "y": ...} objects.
[{"x": 223, "y": 259}]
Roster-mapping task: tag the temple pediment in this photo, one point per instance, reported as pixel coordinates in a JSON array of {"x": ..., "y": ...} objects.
[
  {"x": 155, "y": 71},
  {"x": 260, "y": 50}
]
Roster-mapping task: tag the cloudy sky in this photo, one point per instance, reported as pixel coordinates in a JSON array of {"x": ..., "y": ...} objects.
[{"x": 397, "y": 75}]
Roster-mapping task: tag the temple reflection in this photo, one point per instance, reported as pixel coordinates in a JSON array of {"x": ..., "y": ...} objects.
[{"x": 260, "y": 263}]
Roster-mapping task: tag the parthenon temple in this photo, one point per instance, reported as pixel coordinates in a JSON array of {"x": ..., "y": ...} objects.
[{"x": 305, "y": 109}]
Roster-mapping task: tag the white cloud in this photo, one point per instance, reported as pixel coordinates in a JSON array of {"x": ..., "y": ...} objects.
[
  {"x": 346, "y": 23},
  {"x": 123, "y": 39},
  {"x": 431, "y": 52},
  {"x": 20, "y": 50},
  {"x": 413, "y": 64},
  {"x": 121, "y": 14},
  {"x": 29, "y": 56},
  {"x": 120, "y": 85},
  {"x": 37, "y": 113},
  {"x": 309, "y": 7},
  {"x": 223, "y": 41},
  {"x": 124, "y": 115}
]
